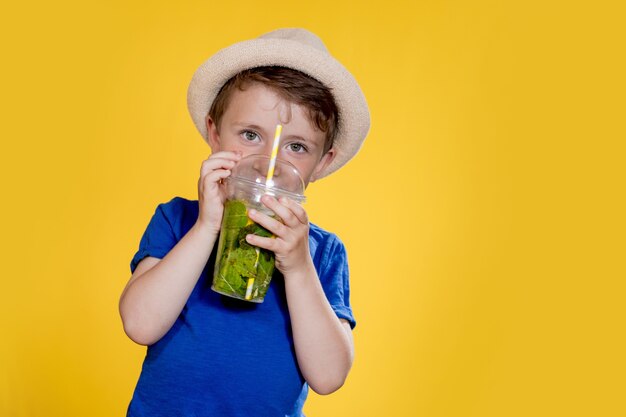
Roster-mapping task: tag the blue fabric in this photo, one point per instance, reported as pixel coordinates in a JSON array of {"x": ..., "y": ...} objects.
[{"x": 225, "y": 357}]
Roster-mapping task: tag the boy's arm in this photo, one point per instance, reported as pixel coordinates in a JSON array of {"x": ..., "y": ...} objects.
[
  {"x": 323, "y": 342},
  {"x": 158, "y": 289}
]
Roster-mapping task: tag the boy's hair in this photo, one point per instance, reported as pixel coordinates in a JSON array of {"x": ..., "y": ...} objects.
[{"x": 291, "y": 85}]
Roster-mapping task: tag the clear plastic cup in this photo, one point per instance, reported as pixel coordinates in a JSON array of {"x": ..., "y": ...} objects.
[{"x": 241, "y": 270}]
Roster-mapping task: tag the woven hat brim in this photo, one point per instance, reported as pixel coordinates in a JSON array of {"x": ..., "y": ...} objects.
[{"x": 354, "y": 118}]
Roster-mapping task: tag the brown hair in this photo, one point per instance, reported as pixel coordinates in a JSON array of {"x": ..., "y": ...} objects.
[{"x": 291, "y": 85}]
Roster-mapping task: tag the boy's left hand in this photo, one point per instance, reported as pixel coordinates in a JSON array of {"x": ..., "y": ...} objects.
[{"x": 291, "y": 244}]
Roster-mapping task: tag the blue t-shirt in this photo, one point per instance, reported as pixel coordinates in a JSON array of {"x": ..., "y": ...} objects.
[{"x": 226, "y": 357}]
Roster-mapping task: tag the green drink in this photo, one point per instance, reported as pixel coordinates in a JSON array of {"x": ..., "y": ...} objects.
[{"x": 242, "y": 271}]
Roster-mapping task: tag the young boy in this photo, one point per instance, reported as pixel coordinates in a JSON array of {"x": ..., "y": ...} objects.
[{"x": 210, "y": 355}]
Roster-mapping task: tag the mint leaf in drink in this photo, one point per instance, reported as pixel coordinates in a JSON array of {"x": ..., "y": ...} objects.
[
  {"x": 242, "y": 261},
  {"x": 238, "y": 262},
  {"x": 252, "y": 229},
  {"x": 235, "y": 214}
]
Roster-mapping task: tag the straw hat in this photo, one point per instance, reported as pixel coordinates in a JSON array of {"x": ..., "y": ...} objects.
[{"x": 292, "y": 48}]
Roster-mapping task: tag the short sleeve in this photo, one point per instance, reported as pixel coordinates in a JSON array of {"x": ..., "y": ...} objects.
[
  {"x": 159, "y": 237},
  {"x": 335, "y": 279}
]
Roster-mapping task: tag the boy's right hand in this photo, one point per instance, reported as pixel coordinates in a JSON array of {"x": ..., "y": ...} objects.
[{"x": 211, "y": 193}]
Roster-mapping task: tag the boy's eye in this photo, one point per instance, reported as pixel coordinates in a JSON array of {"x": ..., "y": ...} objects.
[
  {"x": 297, "y": 147},
  {"x": 250, "y": 135}
]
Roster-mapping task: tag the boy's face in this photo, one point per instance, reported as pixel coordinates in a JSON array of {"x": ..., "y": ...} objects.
[{"x": 249, "y": 123}]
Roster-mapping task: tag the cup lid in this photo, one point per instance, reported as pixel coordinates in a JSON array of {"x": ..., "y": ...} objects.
[{"x": 286, "y": 180}]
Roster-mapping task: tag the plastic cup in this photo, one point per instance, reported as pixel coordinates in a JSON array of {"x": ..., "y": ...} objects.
[{"x": 241, "y": 270}]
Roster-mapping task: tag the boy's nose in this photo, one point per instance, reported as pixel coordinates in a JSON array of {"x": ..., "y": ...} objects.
[{"x": 261, "y": 166}]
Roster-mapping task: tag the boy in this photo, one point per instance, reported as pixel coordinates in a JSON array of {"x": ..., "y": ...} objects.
[{"x": 209, "y": 355}]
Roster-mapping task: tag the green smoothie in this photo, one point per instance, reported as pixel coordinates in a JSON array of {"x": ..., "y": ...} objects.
[{"x": 241, "y": 270}]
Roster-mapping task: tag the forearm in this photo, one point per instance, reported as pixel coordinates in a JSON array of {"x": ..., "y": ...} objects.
[
  {"x": 153, "y": 300},
  {"x": 324, "y": 345}
]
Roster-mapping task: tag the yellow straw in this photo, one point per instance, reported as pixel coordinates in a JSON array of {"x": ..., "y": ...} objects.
[
  {"x": 251, "y": 280},
  {"x": 270, "y": 174},
  {"x": 270, "y": 170}
]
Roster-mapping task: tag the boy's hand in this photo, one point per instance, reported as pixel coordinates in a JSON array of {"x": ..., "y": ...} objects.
[
  {"x": 291, "y": 244},
  {"x": 210, "y": 192}
]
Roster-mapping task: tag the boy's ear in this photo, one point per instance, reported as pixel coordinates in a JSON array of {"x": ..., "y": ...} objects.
[
  {"x": 326, "y": 159},
  {"x": 213, "y": 137}
]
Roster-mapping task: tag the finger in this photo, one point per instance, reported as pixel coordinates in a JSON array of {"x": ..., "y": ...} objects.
[
  {"x": 266, "y": 221},
  {"x": 281, "y": 211},
  {"x": 263, "y": 242},
  {"x": 295, "y": 208},
  {"x": 212, "y": 164},
  {"x": 213, "y": 177},
  {"x": 219, "y": 160}
]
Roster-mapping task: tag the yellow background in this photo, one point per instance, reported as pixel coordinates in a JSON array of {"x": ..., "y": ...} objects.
[{"x": 484, "y": 217}]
